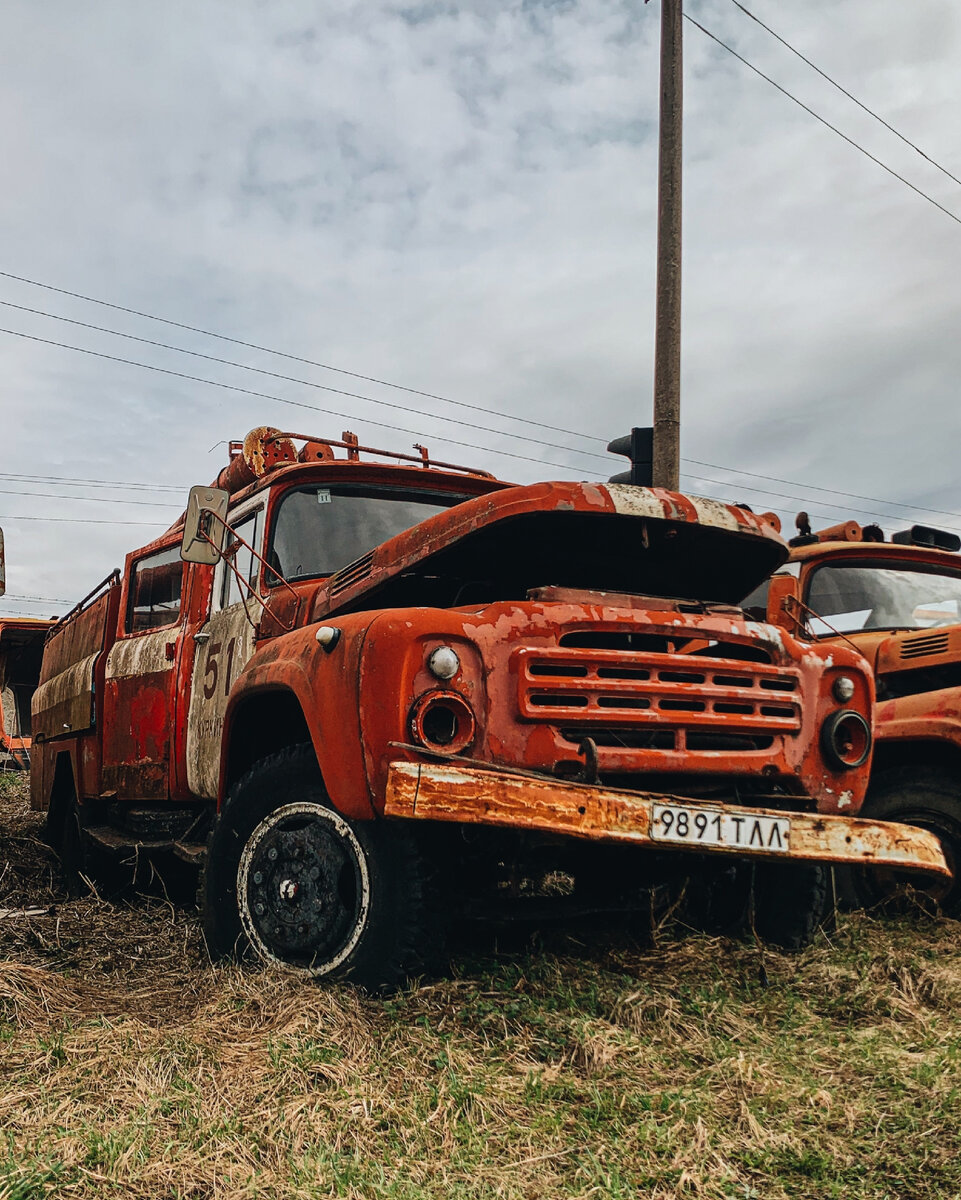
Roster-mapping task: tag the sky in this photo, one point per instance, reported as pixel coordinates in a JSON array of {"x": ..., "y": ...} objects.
[{"x": 460, "y": 198}]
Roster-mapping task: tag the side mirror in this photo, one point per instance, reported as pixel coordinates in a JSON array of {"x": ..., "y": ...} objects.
[
  {"x": 205, "y": 523},
  {"x": 3, "y": 568},
  {"x": 782, "y": 602}
]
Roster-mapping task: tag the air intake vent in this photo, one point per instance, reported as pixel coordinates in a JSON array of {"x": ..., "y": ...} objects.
[
  {"x": 922, "y": 647},
  {"x": 353, "y": 573}
]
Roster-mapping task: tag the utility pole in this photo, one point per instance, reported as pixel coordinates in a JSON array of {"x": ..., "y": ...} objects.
[{"x": 667, "y": 340}]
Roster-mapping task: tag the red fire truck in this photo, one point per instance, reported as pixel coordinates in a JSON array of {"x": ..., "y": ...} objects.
[{"x": 362, "y": 687}]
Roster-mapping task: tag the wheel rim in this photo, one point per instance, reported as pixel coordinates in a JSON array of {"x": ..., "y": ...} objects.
[
  {"x": 890, "y": 884},
  {"x": 303, "y": 889}
]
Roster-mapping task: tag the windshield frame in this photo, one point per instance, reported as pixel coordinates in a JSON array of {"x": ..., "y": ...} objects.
[
  {"x": 406, "y": 492},
  {"x": 875, "y": 563}
]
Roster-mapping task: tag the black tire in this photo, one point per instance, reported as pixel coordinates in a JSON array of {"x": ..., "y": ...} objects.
[
  {"x": 717, "y": 897},
  {"x": 931, "y": 799},
  {"x": 783, "y": 903},
  {"x": 292, "y": 882},
  {"x": 64, "y": 833},
  {"x": 790, "y": 902}
]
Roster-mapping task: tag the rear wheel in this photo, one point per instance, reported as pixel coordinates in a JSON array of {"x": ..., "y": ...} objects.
[
  {"x": 291, "y": 881},
  {"x": 930, "y": 799}
]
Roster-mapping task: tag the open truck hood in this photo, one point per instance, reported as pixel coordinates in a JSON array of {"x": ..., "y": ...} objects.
[{"x": 610, "y": 537}]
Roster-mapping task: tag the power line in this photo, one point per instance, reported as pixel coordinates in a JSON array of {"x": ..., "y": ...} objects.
[
  {"x": 844, "y": 91},
  {"x": 747, "y": 487},
  {"x": 80, "y": 521},
  {"x": 293, "y": 357},
  {"x": 817, "y": 116},
  {"x": 226, "y": 362},
  {"x": 57, "y": 480},
  {"x": 232, "y": 387},
  {"x": 816, "y": 488},
  {"x": 36, "y": 599},
  {"x": 92, "y": 499}
]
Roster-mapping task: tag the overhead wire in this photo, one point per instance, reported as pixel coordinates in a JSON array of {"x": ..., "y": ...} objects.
[
  {"x": 823, "y": 120},
  {"x": 35, "y": 599},
  {"x": 293, "y": 357},
  {"x": 232, "y": 387},
  {"x": 78, "y": 520},
  {"x": 226, "y": 362},
  {"x": 817, "y": 488},
  {"x": 844, "y": 91},
  {"x": 746, "y": 487},
  {"x": 69, "y": 480},
  {"x": 92, "y": 499}
]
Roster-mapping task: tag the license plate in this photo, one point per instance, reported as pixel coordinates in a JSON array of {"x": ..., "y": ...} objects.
[{"x": 708, "y": 827}]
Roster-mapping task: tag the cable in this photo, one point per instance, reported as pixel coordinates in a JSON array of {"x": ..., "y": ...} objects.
[
  {"x": 92, "y": 499},
  {"x": 294, "y": 357},
  {"x": 843, "y": 90},
  {"x": 834, "y": 129},
  {"x": 36, "y": 599},
  {"x": 70, "y": 479},
  {"x": 81, "y": 521},
  {"x": 816, "y": 488},
  {"x": 226, "y": 362},
  {"x": 746, "y": 487},
  {"x": 231, "y": 387}
]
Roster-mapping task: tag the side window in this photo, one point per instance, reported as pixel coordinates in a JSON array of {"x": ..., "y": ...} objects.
[
  {"x": 248, "y": 567},
  {"x": 156, "y": 584}
]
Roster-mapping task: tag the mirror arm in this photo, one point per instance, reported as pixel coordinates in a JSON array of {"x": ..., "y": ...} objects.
[{"x": 240, "y": 541}]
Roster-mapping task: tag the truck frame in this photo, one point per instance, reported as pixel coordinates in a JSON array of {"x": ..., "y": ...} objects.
[{"x": 360, "y": 689}]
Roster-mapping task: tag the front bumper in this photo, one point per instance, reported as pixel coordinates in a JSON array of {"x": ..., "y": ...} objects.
[{"x": 472, "y": 796}]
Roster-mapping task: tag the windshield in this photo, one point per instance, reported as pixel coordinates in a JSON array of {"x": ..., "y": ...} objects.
[
  {"x": 318, "y": 530},
  {"x": 852, "y": 598}
]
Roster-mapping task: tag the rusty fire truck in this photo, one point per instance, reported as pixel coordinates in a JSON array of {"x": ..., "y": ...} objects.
[
  {"x": 899, "y": 603},
  {"x": 361, "y": 687},
  {"x": 21, "y": 649}
]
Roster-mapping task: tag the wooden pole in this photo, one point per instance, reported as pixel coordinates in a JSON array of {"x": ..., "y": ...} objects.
[{"x": 667, "y": 341}]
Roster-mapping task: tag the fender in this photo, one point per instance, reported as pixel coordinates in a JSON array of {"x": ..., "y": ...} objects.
[
  {"x": 920, "y": 718},
  {"x": 326, "y": 689}
]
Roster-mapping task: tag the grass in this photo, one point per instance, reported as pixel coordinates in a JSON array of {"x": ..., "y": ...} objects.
[{"x": 579, "y": 1066}]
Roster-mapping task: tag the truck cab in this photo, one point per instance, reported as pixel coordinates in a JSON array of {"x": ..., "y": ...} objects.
[
  {"x": 21, "y": 650},
  {"x": 898, "y": 602},
  {"x": 343, "y": 681}
]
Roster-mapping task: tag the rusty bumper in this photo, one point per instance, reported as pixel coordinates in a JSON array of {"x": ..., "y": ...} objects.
[{"x": 472, "y": 796}]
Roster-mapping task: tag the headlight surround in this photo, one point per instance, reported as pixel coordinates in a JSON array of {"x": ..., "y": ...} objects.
[
  {"x": 442, "y": 721},
  {"x": 846, "y": 739}
]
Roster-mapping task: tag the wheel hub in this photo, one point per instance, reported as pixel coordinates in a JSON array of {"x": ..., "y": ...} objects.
[{"x": 302, "y": 888}]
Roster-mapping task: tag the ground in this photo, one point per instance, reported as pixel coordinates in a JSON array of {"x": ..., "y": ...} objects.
[{"x": 578, "y": 1066}]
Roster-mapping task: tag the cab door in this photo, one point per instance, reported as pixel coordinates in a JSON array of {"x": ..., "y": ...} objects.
[
  {"x": 140, "y": 692},
  {"x": 224, "y": 645}
]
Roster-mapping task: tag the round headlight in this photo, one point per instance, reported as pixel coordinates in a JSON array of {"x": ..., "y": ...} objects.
[
  {"x": 843, "y": 688},
  {"x": 444, "y": 663}
]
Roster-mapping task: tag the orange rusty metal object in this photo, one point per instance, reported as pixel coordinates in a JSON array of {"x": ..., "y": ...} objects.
[{"x": 469, "y": 795}]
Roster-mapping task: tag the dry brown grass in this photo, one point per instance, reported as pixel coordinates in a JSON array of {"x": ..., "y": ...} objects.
[{"x": 130, "y": 1067}]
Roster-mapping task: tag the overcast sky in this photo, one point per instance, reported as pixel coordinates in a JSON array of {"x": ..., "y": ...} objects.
[{"x": 460, "y": 197}]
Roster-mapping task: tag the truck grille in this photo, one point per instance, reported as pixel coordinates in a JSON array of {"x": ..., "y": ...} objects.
[{"x": 651, "y": 701}]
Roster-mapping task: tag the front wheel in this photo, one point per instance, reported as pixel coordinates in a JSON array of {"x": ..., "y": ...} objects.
[
  {"x": 931, "y": 799},
  {"x": 291, "y": 881}
]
